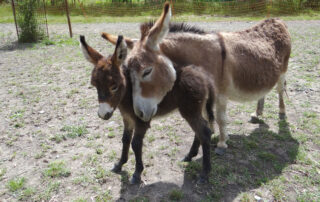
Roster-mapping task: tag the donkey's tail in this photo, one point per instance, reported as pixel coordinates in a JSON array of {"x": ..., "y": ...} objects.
[{"x": 209, "y": 109}]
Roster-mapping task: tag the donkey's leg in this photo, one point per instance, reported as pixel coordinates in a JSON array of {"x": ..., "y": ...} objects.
[
  {"x": 205, "y": 139},
  {"x": 255, "y": 117},
  {"x": 200, "y": 127},
  {"x": 137, "y": 142},
  {"x": 222, "y": 122},
  {"x": 193, "y": 150},
  {"x": 281, "y": 87},
  {"x": 202, "y": 135},
  {"x": 126, "y": 140}
]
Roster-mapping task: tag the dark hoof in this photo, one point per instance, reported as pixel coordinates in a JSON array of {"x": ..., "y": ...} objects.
[
  {"x": 186, "y": 159},
  {"x": 282, "y": 116},
  {"x": 220, "y": 151},
  {"x": 202, "y": 180},
  {"x": 135, "y": 180},
  {"x": 255, "y": 120},
  {"x": 116, "y": 169}
]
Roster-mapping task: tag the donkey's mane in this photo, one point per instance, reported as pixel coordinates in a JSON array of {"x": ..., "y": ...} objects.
[{"x": 177, "y": 27}]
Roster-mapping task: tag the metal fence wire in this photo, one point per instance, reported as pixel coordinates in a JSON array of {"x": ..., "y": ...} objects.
[
  {"x": 28, "y": 22},
  {"x": 196, "y": 7}
]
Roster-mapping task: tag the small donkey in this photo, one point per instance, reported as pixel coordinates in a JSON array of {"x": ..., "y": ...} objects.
[{"x": 192, "y": 94}]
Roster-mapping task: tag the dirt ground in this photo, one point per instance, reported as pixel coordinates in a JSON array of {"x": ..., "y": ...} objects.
[{"x": 53, "y": 146}]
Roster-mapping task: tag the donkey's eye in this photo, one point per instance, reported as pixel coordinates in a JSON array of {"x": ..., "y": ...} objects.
[
  {"x": 147, "y": 72},
  {"x": 114, "y": 88}
]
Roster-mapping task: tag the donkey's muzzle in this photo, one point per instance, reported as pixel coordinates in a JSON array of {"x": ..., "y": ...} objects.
[
  {"x": 146, "y": 115},
  {"x": 106, "y": 116}
]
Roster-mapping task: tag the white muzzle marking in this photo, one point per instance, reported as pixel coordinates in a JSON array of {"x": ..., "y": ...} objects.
[
  {"x": 104, "y": 108},
  {"x": 145, "y": 108}
]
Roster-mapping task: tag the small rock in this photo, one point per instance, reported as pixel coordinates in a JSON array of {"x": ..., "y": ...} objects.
[
  {"x": 41, "y": 112},
  {"x": 45, "y": 161},
  {"x": 258, "y": 198}
]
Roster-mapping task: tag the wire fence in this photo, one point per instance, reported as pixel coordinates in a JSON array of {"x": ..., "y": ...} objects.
[
  {"x": 217, "y": 8},
  {"x": 70, "y": 8}
]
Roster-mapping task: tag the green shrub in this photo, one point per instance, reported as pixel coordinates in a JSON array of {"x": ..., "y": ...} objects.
[{"x": 27, "y": 21}]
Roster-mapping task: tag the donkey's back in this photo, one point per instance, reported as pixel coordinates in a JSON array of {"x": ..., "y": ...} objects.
[{"x": 256, "y": 58}]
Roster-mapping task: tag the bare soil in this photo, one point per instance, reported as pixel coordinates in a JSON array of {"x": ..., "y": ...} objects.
[{"x": 49, "y": 115}]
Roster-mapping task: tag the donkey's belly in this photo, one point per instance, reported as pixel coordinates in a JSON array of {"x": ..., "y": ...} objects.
[{"x": 239, "y": 95}]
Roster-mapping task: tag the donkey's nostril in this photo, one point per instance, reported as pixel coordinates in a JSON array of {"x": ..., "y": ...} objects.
[{"x": 140, "y": 114}]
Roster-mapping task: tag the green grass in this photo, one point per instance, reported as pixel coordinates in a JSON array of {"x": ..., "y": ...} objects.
[
  {"x": 57, "y": 169},
  {"x": 16, "y": 184},
  {"x": 2, "y": 172},
  {"x": 176, "y": 194},
  {"x": 58, "y": 138},
  {"x": 105, "y": 196},
  {"x": 50, "y": 188},
  {"x": 27, "y": 193},
  {"x": 75, "y": 131}
]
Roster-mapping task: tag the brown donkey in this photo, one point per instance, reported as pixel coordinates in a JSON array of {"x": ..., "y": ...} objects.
[
  {"x": 245, "y": 65},
  {"x": 192, "y": 94}
]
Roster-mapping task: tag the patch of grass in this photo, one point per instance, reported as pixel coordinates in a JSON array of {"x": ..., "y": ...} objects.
[
  {"x": 151, "y": 138},
  {"x": 112, "y": 155},
  {"x": 250, "y": 144},
  {"x": 101, "y": 174},
  {"x": 83, "y": 180},
  {"x": 176, "y": 194},
  {"x": 308, "y": 196},
  {"x": 17, "y": 118},
  {"x": 58, "y": 138},
  {"x": 80, "y": 199},
  {"x": 246, "y": 198},
  {"x": 99, "y": 151},
  {"x": 278, "y": 193},
  {"x": 92, "y": 159},
  {"x": 26, "y": 194},
  {"x": 103, "y": 197},
  {"x": 57, "y": 169},
  {"x": 139, "y": 199},
  {"x": 267, "y": 156},
  {"x": 47, "y": 193},
  {"x": 111, "y": 134},
  {"x": 75, "y": 131},
  {"x": 2, "y": 172},
  {"x": 39, "y": 155},
  {"x": 16, "y": 184},
  {"x": 193, "y": 168},
  {"x": 72, "y": 92}
]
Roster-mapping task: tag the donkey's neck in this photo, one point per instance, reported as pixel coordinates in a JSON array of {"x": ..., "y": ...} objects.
[{"x": 125, "y": 105}]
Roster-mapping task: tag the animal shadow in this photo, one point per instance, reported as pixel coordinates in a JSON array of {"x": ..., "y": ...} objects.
[
  {"x": 16, "y": 46},
  {"x": 249, "y": 162}
]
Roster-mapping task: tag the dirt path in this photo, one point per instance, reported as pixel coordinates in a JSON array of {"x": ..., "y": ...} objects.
[{"x": 53, "y": 146}]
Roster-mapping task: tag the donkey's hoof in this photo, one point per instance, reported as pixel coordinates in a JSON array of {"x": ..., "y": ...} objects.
[
  {"x": 220, "y": 151},
  {"x": 116, "y": 168},
  {"x": 186, "y": 159},
  {"x": 135, "y": 180},
  {"x": 255, "y": 119},
  {"x": 282, "y": 116},
  {"x": 202, "y": 180}
]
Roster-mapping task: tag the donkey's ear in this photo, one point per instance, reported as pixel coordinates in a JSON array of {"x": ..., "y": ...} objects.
[
  {"x": 120, "y": 52},
  {"x": 113, "y": 39},
  {"x": 160, "y": 28},
  {"x": 89, "y": 53}
]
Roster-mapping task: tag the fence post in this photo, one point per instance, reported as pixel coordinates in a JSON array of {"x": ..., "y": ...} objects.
[
  {"x": 68, "y": 16},
  {"x": 172, "y": 9},
  {"x": 45, "y": 14},
  {"x": 14, "y": 16}
]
